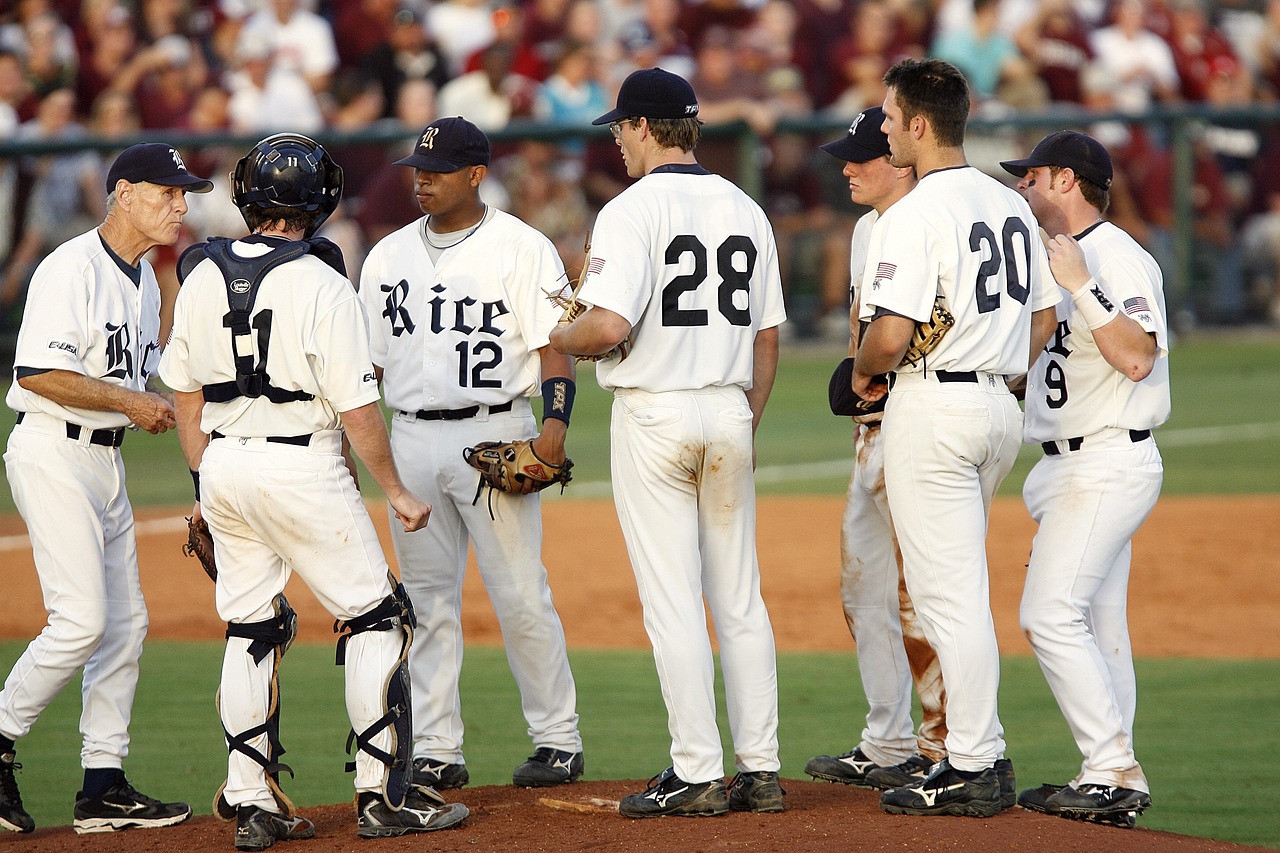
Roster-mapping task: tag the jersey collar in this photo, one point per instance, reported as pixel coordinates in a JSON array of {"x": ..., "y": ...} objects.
[
  {"x": 134, "y": 273},
  {"x": 679, "y": 169},
  {"x": 1086, "y": 232}
]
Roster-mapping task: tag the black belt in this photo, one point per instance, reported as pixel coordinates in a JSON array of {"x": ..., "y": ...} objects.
[
  {"x": 946, "y": 376},
  {"x": 457, "y": 414},
  {"x": 299, "y": 440},
  {"x": 1073, "y": 444},
  {"x": 101, "y": 437}
]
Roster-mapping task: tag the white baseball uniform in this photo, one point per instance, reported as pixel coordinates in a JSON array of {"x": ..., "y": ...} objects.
[
  {"x": 457, "y": 336},
  {"x": 690, "y": 261},
  {"x": 892, "y": 649},
  {"x": 87, "y": 312},
  {"x": 275, "y": 508},
  {"x": 1097, "y": 483},
  {"x": 951, "y": 428}
]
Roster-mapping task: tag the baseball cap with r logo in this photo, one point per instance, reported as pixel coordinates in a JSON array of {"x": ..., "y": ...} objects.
[
  {"x": 154, "y": 163},
  {"x": 447, "y": 145},
  {"x": 1068, "y": 149},
  {"x": 653, "y": 93},
  {"x": 864, "y": 142}
]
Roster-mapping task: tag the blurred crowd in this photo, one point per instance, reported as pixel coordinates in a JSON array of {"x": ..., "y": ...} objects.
[{"x": 103, "y": 68}]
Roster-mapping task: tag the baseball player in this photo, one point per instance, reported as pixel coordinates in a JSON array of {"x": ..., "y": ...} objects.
[
  {"x": 86, "y": 353},
  {"x": 269, "y": 360},
  {"x": 1093, "y": 397},
  {"x": 951, "y": 427},
  {"x": 458, "y": 303},
  {"x": 892, "y": 650},
  {"x": 685, "y": 264}
]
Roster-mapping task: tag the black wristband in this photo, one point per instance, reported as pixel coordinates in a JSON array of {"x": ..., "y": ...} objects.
[
  {"x": 195, "y": 481},
  {"x": 557, "y": 398}
]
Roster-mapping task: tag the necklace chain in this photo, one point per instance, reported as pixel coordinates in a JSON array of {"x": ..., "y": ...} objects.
[{"x": 426, "y": 231}]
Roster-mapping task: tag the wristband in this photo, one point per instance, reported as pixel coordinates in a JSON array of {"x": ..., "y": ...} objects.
[
  {"x": 557, "y": 398},
  {"x": 195, "y": 481},
  {"x": 1095, "y": 307}
]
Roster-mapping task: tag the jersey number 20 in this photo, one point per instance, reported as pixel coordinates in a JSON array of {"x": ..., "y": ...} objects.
[
  {"x": 983, "y": 241},
  {"x": 732, "y": 280}
]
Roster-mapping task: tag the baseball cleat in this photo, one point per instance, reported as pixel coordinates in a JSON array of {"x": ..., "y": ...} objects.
[
  {"x": 440, "y": 775},
  {"x": 548, "y": 767},
  {"x": 670, "y": 796},
  {"x": 258, "y": 829},
  {"x": 124, "y": 807},
  {"x": 421, "y": 812},
  {"x": 945, "y": 792},
  {"x": 914, "y": 769},
  {"x": 1035, "y": 799},
  {"x": 851, "y": 768},
  {"x": 13, "y": 816},
  {"x": 756, "y": 791},
  {"x": 1099, "y": 804},
  {"x": 1008, "y": 783}
]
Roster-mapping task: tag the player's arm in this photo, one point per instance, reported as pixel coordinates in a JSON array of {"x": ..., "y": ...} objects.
[
  {"x": 880, "y": 349},
  {"x": 148, "y": 410},
  {"x": 597, "y": 331},
  {"x": 764, "y": 371},
  {"x": 557, "y": 404},
  {"x": 1125, "y": 345},
  {"x": 367, "y": 431},
  {"x": 1043, "y": 324}
]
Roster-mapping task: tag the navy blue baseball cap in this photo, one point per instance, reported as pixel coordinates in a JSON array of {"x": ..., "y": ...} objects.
[
  {"x": 154, "y": 163},
  {"x": 864, "y": 142},
  {"x": 1078, "y": 152},
  {"x": 653, "y": 93},
  {"x": 447, "y": 145}
]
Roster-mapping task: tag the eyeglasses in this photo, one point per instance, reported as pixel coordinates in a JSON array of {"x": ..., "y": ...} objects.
[{"x": 615, "y": 127}]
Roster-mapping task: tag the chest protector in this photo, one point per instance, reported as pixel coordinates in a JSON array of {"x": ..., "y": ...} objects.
[{"x": 243, "y": 277}]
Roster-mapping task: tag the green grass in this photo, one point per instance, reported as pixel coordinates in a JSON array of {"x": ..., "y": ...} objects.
[
  {"x": 1200, "y": 724},
  {"x": 1225, "y": 384}
]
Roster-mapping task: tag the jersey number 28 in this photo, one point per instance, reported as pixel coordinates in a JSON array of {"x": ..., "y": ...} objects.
[{"x": 732, "y": 280}]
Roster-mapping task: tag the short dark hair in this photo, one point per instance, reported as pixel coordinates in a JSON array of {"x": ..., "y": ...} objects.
[
  {"x": 1096, "y": 195},
  {"x": 682, "y": 133},
  {"x": 936, "y": 90},
  {"x": 260, "y": 218}
]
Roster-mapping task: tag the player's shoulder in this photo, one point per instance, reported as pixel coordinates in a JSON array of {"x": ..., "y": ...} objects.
[
  {"x": 76, "y": 253},
  {"x": 405, "y": 235}
]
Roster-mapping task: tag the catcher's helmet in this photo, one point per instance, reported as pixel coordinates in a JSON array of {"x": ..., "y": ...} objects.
[{"x": 288, "y": 170}]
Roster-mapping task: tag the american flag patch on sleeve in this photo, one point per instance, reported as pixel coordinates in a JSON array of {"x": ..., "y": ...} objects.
[
  {"x": 1136, "y": 305},
  {"x": 885, "y": 271},
  {"x": 595, "y": 266}
]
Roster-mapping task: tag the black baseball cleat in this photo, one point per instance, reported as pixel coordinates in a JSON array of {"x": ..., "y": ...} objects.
[
  {"x": 548, "y": 767},
  {"x": 851, "y": 768},
  {"x": 670, "y": 796},
  {"x": 440, "y": 775},
  {"x": 258, "y": 829},
  {"x": 124, "y": 807},
  {"x": 756, "y": 791},
  {"x": 1099, "y": 804},
  {"x": 1008, "y": 783},
  {"x": 914, "y": 769},
  {"x": 13, "y": 816},
  {"x": 1036, "y": 799},
  {"x": 945, "y": 792},
  {"x": 424, "y": 810}
]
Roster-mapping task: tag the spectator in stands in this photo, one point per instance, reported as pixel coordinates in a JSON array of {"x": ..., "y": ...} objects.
[
  {"x": 302, "y": 40},
  {"x": 110, "y": 57},
  {"x": 407, "y": 53},
  {"x": 574, "y": 93},
  {"x": 1260, "y": 241},
  {"x": 460, "y": 28},
  {"x": 820, "y": 24},
  {"x": 360, "y": 26},
  {"x": 266, "y": 96},
  {"x": 989, "y": 59},
  {"x": 47, "y": 63},
  {"x": 356, "y": 105},
  {"x": 1138, "y": 63},
  {"x": 548, "y": 197},
  {"x": 698, "y": 20},
  {"x": 863, "y": 56},
  {"x": 66, "y": 192},
  {"x": 1267, "y": 49},
  {"x": 1056, "y": 41},
  {"x": 12, "y": 90},
  {"x": 656, "y": 40},
  {"x": 388, "y": 202},
  {"x": 491, "y": 96},
  {"x": 175, "y": 75},
  {"x": 1199, "y": 50}
]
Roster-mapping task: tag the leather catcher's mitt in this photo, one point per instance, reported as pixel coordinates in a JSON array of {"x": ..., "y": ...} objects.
[
  {"x": 200, "y": 545},
  {"x": 928, "y": 334},
  {"x": 508, "y": 465},
  {"x": 567, "y": 298}
]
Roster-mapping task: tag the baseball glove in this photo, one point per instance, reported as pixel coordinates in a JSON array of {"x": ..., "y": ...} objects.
[
  {"x": 567, "y": 298},
  {"x": 200, "y": 545},
  {"x": 509, "y": 465},
  {"x": 927, "y": 335},
  {"x": 846, "y": 403}
]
